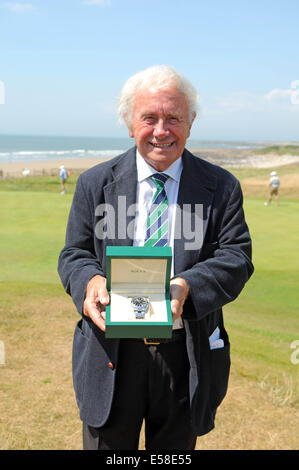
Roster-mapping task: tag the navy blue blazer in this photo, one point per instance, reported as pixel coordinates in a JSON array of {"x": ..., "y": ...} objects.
[{"x": 216, "y": 272}]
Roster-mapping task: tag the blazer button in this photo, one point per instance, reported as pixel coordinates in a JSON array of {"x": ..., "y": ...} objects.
[{"x": 111, "y": 365}]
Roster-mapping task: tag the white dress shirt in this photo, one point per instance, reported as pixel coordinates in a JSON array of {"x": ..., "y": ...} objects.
[{"x": 146, "y": 189}]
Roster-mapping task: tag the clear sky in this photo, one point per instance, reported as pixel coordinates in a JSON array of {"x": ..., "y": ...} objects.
[{"x": 63, "y": 62}]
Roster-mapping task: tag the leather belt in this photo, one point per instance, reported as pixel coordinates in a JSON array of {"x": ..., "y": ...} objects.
[{"x": 178, "y": 336}]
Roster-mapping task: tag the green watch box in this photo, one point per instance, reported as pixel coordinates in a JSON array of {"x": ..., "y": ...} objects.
[{"x": 138, "y": 281}]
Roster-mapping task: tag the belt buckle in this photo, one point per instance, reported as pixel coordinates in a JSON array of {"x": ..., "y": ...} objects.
[{"x": 151, "y": 343}]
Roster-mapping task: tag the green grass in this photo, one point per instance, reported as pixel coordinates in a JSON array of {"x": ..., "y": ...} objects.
[
  {"x": 32, "y": 233},
  {"x": 39, "y": 184},
  {"x": 279, "y": 150},
  {"x": 262, "y": 322}
]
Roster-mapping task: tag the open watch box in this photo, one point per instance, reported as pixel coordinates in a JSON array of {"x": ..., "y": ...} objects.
[{"x": 138, "y": 280}]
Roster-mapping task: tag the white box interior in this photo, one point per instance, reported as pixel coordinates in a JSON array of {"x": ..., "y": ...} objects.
[{"x": 138, "y": 278}]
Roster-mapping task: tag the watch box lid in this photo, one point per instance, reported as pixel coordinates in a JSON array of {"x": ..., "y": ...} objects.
[{"x": 137, "y": 265}]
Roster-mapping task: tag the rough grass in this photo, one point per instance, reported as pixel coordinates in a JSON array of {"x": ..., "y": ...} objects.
[
  {"x": 278, "y": 150},
  {"x": 37, "y": 406},
  {"x": 255, "y": 182},
  {"x": 49, "y": 184},
  {"x": 37, "y": 319}
]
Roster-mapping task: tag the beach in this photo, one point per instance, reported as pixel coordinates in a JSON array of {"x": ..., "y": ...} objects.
[
  {"x": 238, "y": 158},
  {"x": 225, "y": 157},
  {"x": 49, "y": 166}
]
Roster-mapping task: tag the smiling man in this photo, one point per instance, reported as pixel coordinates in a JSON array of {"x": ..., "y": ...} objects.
[{"x": 174, "y": 386}]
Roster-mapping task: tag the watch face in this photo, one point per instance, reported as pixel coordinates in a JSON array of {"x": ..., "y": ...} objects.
[
  {"x": 140, "y": 306},
  {"x": 139, "y": 302}
]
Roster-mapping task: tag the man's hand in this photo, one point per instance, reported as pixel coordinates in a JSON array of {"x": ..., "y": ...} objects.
[
  {"x": 179, "y": 291},
  {"x": 96, "y": 299}
]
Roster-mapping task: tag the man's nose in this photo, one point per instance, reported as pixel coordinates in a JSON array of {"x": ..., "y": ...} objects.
[{"x": 161, "y": 129}]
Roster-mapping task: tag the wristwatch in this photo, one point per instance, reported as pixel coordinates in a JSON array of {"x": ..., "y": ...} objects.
[{"x": 140, "y": 306}]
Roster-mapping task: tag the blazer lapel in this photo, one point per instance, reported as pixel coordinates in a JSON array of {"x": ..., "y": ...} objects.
[
  {"x": 120, "y": 195},
  {"x": 195, "y": 198}
]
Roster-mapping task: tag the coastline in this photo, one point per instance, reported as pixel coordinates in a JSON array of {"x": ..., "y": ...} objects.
[
  {"x": 75, "y": 163},
  {"x": 229, "y": 158}
]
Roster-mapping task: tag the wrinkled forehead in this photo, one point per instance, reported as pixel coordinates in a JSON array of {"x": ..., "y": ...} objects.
[{"x": 162, "y": 99}]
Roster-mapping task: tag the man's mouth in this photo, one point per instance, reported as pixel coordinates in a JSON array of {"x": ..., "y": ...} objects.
[{"x": 161, "y": 146}]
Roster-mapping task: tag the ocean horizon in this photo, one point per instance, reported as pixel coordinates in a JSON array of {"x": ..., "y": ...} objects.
[{"x": 30, "y": 148}]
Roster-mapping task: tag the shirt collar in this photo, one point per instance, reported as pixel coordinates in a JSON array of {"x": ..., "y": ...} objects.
[{"x": 144, "y": 170}]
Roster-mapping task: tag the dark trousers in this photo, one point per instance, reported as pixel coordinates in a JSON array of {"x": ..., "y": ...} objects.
[{"x": 152, "y": 384}]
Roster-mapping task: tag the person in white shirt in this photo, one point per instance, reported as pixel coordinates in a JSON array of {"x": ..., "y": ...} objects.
[
  {"x": 274, "y": 188},
  {"x": 63, "y": 177}
]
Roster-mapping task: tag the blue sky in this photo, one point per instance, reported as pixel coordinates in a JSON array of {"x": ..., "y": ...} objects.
[{"x": 62, "y": 63}]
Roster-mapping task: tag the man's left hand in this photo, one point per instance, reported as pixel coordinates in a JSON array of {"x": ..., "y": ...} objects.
[{"x": 179, "y": 291}]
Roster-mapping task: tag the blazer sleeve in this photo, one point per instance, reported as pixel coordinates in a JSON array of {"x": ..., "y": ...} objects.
[
  {"x": 218, "y": 279},
  {"x": 78, "y": 262}
]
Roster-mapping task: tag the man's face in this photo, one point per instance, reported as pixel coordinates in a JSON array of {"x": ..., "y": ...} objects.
[{"x": 160, "y": 126}]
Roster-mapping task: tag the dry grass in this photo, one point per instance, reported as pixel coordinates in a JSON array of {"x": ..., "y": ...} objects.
[
  {"x": 253, "y": 416},
  {"x": 37, "y": 406},
  {"x": 258, "y": 185}
]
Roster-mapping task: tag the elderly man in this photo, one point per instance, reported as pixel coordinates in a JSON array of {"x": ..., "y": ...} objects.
[{"x": 175, "y": 386}]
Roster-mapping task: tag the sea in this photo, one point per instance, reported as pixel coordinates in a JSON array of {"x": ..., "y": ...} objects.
[{"x": 30, "y": 148}]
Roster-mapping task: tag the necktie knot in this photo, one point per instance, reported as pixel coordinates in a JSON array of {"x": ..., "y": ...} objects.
[{"x": 159, "y": 179}]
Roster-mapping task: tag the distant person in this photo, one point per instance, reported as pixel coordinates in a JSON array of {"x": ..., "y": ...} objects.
[
  {"x": 25, "y": 172},
  {"x": 274, "y": 188},
  {"x": 63, "y": 177}
]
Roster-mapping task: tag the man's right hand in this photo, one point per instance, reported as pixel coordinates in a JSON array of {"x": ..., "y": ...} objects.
[{"x": 96, "y": 299}]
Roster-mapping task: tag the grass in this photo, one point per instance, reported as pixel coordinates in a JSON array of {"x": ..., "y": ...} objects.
[
  {"x": 265, "y": 317},
  {"x": 37, "y": 320},
  {"x": 40, "y": 184},
  {"x": 279, "y": 150},
  {"x": 34, "y": 225}
]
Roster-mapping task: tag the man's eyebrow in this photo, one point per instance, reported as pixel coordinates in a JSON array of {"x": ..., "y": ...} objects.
[
  {"x": 168, "y": 116},
  {"x": 147, "y": 113}
]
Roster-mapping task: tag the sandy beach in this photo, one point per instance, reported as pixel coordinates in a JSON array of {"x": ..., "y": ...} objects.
[
  {"x": 236, "y": 158},
  {"x": 229, "y": 158},
  {"x": 76, "y": 164}
]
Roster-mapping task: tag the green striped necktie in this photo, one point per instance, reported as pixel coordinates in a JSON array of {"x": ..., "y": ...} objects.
[{"x": 157, "y": 223}]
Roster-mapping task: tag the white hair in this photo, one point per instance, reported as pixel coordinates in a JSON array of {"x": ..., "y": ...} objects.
[{"x": 154, "y": 78}]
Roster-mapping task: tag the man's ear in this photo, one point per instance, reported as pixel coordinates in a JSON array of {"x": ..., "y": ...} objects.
[
  {"x": 130, "y": 129},
  {"x": 191, "y": 122}
]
